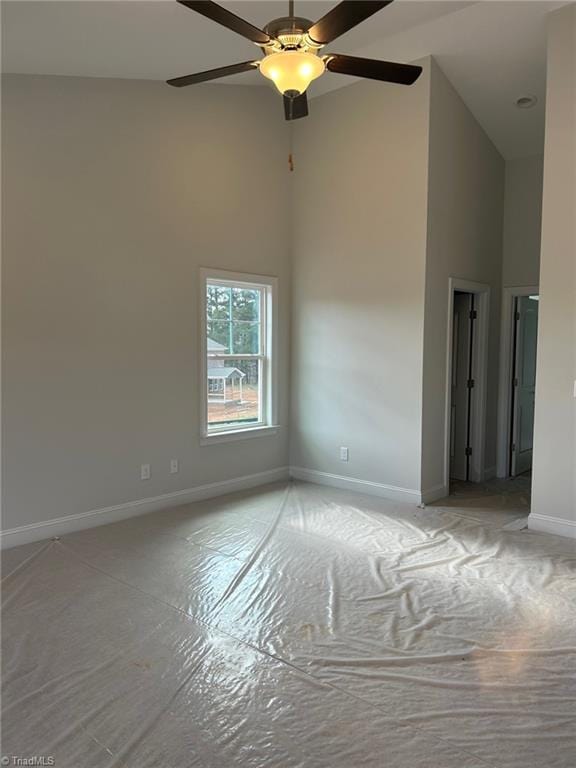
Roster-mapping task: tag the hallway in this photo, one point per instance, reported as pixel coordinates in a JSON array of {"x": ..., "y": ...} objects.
[{"x": 496, "y": 500}]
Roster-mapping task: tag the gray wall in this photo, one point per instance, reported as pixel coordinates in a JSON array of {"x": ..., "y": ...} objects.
[
  {"x": 465, "y": 202},
  {"x": 522, "y": 221},
  {"x": 396, "y": 190},
  {"x": 554, "y": 469},
  {"x": 115, "y": 192},
  {"x": 360, "y": 188}
]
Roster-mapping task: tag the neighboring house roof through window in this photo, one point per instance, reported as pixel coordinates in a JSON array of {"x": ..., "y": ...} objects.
[
  {"x": 225, "y": 373},
  {"x": 215, "y": 348}
]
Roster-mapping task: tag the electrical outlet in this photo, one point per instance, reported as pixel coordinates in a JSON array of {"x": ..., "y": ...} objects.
[
  {"x": 343, "y": 453},
  {"x": 144, "y": 471},
  {"x": 173, "y": 466}
]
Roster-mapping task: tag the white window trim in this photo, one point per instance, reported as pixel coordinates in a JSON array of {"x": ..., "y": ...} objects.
[{"x": 269, "y": 425}]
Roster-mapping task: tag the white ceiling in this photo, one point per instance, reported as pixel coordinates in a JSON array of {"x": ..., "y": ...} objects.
[{"x": 492, "y": 51}]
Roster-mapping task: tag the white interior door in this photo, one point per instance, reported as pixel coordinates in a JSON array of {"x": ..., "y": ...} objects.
[
  {"x": 524, "y": 384},
  {"x": 460, "y": 402}
]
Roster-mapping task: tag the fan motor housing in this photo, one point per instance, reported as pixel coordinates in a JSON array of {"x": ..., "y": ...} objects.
[{"x": 289, "y": 31}]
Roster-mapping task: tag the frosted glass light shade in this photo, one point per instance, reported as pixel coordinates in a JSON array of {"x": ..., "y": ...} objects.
[{"x": 292, "y": 70}]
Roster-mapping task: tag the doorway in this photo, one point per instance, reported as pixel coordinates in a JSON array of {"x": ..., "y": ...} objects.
[
  {"x": 463, "y": 321},
  {"x": 523, "y": 384},
  {"x": 466, "y": 379},
  {"x": 518, "y": 381}
]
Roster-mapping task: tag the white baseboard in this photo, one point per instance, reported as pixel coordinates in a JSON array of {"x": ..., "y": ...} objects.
[
  {"x": 392, "y": 492},
  {"x": 61, "y": 526},
  {"x": 435, "y": 493},
  {"x": 555, "y": 525}
]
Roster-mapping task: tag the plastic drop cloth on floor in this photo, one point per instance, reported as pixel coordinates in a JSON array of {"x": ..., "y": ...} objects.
[{"x": 293, "y": 626}]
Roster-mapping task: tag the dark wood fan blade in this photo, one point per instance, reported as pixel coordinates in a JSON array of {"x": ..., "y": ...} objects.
[
  {"x": 295, "y": 108},
  {"x": 343, "y": 17},
  {"x": 388, "y": 71},
  {"x": 227, "y": 19},
  {"x": 212, "y": 74}
]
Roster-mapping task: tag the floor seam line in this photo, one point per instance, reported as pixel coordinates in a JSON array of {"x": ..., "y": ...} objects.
[{"x": 48, "y": 544}]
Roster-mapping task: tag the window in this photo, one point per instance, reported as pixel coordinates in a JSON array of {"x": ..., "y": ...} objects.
[{"x": 237, "y": 371}]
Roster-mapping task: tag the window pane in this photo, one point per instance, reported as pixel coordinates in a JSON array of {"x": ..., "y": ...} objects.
[
  {"x": 233, "y": 392},
  {"x": 245, "y": 338},
  {"x": 233, "y": 320},
  {"x": 246, "y": 304},
  {"x": 219, "y": 337},
  {"x": 234, "y": 338},
  {"x": 218, "y": 302}
]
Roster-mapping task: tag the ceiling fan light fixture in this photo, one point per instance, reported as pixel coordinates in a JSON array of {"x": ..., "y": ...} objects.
[
  {"x": 292, "y": 70},
  {"x": 290, "y": 47}
]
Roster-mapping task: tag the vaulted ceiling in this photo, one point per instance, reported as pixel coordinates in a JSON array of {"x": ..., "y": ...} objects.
[{"x": 492, "y": 51}]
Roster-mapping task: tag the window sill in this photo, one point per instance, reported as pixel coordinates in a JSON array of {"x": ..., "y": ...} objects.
[{"x": 239, "y": 434}]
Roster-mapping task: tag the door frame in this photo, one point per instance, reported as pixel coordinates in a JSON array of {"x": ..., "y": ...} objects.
[
  {"x": 481, "y": 292},
  {"x": 509, "y": 295}
]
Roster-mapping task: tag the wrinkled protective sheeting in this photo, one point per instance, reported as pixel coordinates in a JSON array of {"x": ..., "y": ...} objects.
[
  {"x": 11, "y": 559},
  {"x": 293, "y": 626}
]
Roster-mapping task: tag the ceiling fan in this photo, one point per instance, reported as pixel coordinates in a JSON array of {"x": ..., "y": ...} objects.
[{"x": 291, "y": 46}]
